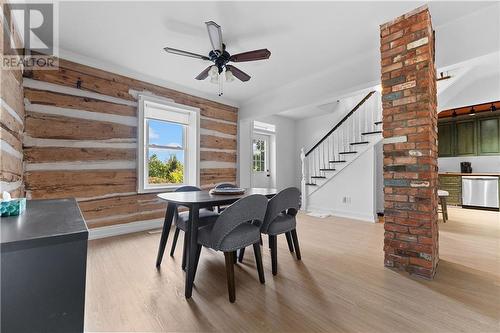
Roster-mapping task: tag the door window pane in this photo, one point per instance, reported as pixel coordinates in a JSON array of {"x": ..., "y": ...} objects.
[{"x": 259, "y": 153}]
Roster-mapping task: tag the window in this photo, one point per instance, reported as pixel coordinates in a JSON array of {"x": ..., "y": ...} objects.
[
  {"x": 167, "y": 146},
  {"x": 259, "y": 155}
]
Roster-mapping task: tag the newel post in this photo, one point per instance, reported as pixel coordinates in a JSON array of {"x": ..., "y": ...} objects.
[{"x": 303, "y": 180}]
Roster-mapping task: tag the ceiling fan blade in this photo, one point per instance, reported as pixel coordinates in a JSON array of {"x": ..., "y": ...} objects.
[
  {"x": 242, "y": 76},
  {"x": 251, "y": 55},
  {"x": 186, "y": 53},
  {"x": 203, "y": 75},
  {"x": 215, "y": 35}
]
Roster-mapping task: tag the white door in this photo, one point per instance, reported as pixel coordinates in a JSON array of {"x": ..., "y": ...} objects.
[{"x": 261, "y": 168}]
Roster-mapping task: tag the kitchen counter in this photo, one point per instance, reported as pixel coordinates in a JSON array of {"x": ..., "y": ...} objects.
[{"x": 497, "y": 174}]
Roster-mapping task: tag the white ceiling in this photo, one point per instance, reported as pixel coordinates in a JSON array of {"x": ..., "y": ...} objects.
[{"x": 305, "y": 38}]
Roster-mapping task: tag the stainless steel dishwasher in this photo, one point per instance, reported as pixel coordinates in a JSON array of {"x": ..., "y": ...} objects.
[{"x": 480, "y": 191}]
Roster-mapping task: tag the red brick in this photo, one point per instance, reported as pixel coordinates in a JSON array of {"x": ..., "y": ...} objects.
[{"x": 410, "y": 209}]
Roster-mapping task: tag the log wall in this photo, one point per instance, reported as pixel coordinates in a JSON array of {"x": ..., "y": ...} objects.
[
  {"x": 11, "y": 123},
  {"x": 80, "y": 141}
]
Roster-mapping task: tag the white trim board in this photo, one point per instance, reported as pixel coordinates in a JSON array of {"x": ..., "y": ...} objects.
[
  {"x": 125, "y": 228},
  {"x": 82, "y": 165},
  {"x": 109, "y": 143},
  {"x": 342, "y": 213}
]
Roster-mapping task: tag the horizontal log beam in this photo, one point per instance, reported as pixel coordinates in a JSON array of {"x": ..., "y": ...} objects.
[
  {"x": 219, "y": 126},
  {"x": 121, "y": 205},
  {"x": 80, "y": 103},
  {"x": 59, "y": 127},
  {"x": 211, "y": 141},
  {"x": 211, "y": 155},
  {"x": 79, "y": 184}
]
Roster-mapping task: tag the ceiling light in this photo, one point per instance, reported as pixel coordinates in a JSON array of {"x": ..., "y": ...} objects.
[
  {"x": 229, "y": 76},
  {"x": 213, "y": 72},
  {"x": 493, "y": 107},
  {"x": 472, "y": 112},
  {"x": 214, "y": 79}
]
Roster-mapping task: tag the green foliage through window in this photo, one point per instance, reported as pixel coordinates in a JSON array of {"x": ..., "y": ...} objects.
[{"x": 170, "y": 171}]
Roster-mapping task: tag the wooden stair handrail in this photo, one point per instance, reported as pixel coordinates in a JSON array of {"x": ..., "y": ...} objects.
[{"x": 342, "y": 121}]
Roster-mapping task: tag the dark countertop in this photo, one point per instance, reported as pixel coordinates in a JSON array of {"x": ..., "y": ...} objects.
[
  {"x": 470, "y": 174},
  {"x": 44, "y": 222}
]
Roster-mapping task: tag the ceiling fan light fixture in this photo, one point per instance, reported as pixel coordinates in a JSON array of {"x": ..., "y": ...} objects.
[
  {"x": 214, "y": 71},
  {"x": 214, "y": 79},
  {"x": 229, "y": 76}
]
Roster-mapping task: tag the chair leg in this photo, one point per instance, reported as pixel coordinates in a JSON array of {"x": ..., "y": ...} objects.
[
  {"x": 270, "y": 242},
  {"x": 274, "y": 254},
  {"x": 258, "y": 262},
  {"x": 444, "y": 208},
  {"x": 174, "y": 241},
  {"x": 235, "y": 257},
  {"x": 198, "y": 253},
  {"x": 230, "y": 275},
  {"x": 241, "y": 254},
  {"x": 261, "y": 242},
  {"x": 186, "y": 244},
  {"x": 296, "y": 244},
  {"x": 289, "y": 241}
]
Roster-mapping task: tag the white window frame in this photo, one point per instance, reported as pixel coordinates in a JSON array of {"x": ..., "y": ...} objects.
[{"x": 165, "y": 110}]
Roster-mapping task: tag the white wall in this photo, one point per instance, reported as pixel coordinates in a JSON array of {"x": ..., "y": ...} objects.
[
  {"x": 287, "y": 157},
  {"x": 357, "y": 182},
  {"x": 479, "y": 163}
]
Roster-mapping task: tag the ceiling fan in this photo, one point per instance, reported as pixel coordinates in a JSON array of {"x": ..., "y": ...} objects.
[{"x": 220, "y": 57}]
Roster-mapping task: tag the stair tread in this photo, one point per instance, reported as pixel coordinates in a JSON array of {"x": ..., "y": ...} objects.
[
  {"x": 311, "y": 184},
  {"x": 348, "y": 152},
  {"x": 359, "y": 143},
  {"x": 327, "y": 169},
  {"x": 372, "y": 132},
  {"x": 378, "y": 122},
  {"x": 339, "y": 161},
  {"x": 315, "y": 177}
]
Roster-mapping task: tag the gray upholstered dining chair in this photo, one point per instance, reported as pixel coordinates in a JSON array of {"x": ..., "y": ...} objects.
[
  {"x": 280, "y": 219},
  {"x": 235, "y": 229},
  {"x": 206, "y": 217}
]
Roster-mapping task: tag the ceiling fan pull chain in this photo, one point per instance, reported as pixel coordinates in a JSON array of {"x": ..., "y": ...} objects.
[{"x": 220, "y": 85}]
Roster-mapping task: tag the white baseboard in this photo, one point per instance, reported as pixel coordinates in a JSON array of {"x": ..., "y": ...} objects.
[
  {"x": 126, "y": 228},
  {"x": 343, "y": 213}
]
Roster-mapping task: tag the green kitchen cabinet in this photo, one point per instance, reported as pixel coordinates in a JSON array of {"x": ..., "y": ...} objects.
[
  {"x": 453, "y": 185},
  {"x": 488, "y": 136},
  {"x": 465, "y": 137},
  {"x": 471, "y": 136},
  {"x": 446, "y": 139}
]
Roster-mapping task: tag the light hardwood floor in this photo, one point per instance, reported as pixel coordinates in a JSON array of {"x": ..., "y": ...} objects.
[{"x": 339, "y": 286}]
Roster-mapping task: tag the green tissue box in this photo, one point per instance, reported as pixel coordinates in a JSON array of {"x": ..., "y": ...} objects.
[{"x": 13, "y": 207}]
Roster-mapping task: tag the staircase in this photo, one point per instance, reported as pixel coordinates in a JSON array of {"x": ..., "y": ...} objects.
[{"x": 358, "y": 131}]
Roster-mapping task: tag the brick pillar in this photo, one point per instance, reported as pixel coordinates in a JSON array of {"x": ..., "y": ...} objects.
[{"x": 410, "y": 143}]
